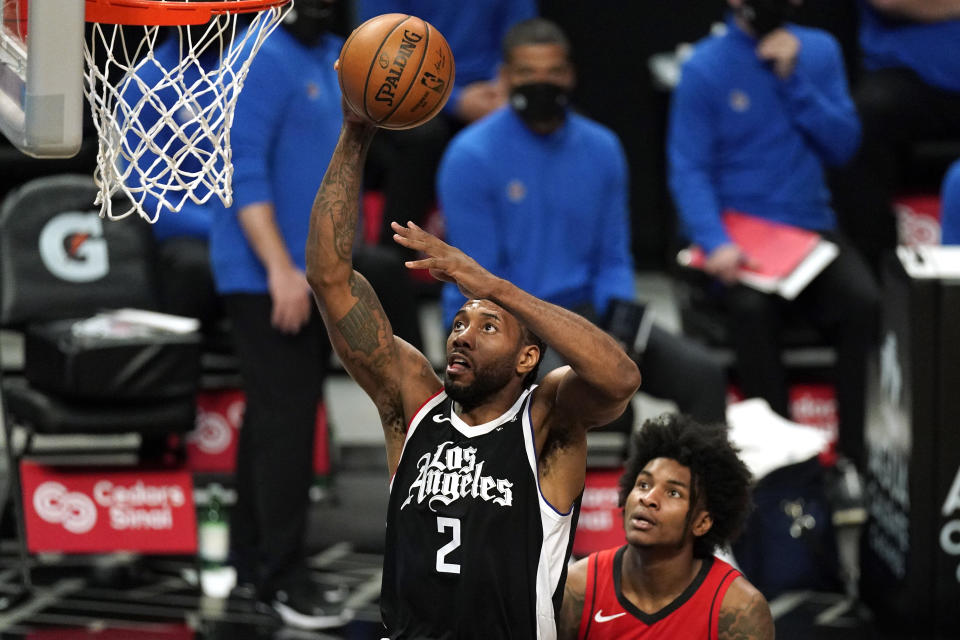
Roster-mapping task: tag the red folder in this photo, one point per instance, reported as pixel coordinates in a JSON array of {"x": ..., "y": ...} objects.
[{"x": 788, "y": 258}]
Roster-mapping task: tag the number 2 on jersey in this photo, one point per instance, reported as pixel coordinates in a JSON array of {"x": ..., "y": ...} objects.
[{"x": 454, "y": 525}]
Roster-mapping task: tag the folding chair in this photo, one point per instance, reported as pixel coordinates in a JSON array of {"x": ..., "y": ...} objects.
[{"x": 59, "y": 260}]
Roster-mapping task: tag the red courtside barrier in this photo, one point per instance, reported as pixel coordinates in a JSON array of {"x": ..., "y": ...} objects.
[{"x": 96, "y": 510}]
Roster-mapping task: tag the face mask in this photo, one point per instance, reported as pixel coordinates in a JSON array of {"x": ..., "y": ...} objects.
[
  {"x": 764, "y": 16},
  {"x": 308, "y": 20},
  {"x": 540, "y": 103}
]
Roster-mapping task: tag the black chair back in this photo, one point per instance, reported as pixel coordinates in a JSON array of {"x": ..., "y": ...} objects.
[{"x": 59, "y": 259}]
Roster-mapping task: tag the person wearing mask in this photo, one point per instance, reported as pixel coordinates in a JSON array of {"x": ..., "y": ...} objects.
[
  {"x": 537, "y": 194},
  {"x": 759, "y": 113}
]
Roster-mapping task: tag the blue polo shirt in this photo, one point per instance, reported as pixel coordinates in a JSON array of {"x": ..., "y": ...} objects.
[
  {"x": 950, "y": 201},
  {"x": 285, "y": 127},
  {"x": 930, "y": 49},
  {"x": 741, "y": 138},
  {"x": 474, "y": 30},
  {"x": 548, "y": 213}
]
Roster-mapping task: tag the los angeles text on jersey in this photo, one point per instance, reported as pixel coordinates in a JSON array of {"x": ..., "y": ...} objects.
[{"x": 451, "y": 473}]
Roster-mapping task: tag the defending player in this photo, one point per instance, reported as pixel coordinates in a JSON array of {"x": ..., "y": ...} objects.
[
  {"x": 487, "y": 468},
  {"x": 685, "y": 492}
]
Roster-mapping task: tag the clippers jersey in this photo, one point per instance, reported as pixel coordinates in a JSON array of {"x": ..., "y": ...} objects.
[
  {"x": 694, "y": 615},
  {"x": 473, "y": 550}
]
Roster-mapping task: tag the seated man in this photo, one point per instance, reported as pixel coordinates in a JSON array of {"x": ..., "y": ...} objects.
[
  {"x": 758, "y": 113},
  {"x": 538, "y": 195},
  {"x": 907, "y": 91}
]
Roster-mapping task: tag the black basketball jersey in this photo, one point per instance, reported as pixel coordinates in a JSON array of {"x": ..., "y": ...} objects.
[{"x": 473, "y": 549}]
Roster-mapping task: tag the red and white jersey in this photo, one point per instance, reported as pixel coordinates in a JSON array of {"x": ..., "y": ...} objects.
[{"x": 694, "y": 615}]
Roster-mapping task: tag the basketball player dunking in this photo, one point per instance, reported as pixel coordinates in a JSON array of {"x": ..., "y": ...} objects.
[{"x": 487, "y": 468}]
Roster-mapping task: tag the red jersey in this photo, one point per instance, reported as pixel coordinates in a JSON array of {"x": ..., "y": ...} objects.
[{"x": 695, "y": 614}]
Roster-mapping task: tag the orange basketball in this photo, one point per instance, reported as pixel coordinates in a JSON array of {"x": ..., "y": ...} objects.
[{"x": 396, "y": 70}]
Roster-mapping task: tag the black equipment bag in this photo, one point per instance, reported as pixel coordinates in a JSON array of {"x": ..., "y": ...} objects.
[
  {"x": 134, "y": 362},
  {"x": 789, "y": 542}
]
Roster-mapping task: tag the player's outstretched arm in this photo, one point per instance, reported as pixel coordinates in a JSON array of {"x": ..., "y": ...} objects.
[
  {"x": 574, "y": 594},
  {"x": 603, "y": 377},
  {"x": 396, "y": 376},
  {"x": 745, "y": 614}
]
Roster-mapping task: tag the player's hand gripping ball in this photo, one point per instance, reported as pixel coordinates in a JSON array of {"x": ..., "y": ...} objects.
[{"x": 396, "y": 71}]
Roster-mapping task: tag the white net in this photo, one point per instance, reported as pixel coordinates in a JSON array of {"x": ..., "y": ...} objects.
[{"x": 162, "y": 101}]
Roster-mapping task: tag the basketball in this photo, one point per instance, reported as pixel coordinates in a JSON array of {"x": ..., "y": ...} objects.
[{"x": 396, "y": 70}]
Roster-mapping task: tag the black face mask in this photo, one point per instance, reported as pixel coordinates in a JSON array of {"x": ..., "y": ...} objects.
[
  {"x": 540, "y": 103},
  {"x": 308, "y": 20},
  {"x": 765, "y": 16}
]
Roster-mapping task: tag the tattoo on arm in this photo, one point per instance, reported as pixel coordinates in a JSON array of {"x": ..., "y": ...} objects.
[
  {"x": 337, "y": 201},
  {"x": 568, "y": 625},
  {"x": 752, "y": 621},
  {"x": 391, "y": 415},
  {"x": 344, "y": 220},
  {"x": 361, "y": 327}
]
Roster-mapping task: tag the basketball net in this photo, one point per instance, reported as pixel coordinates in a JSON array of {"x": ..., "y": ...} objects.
[{"x": 164, "y": 125}]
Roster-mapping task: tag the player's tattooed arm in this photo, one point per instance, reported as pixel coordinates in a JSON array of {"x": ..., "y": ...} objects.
[
  {"x": 358, "y": 327},
  {"x": 745, "y": 614},
  {"x": 387, "y": 368},
  {"x": 568, "y": 622},
  {"x": 365, "y": 327},
  {"x": 362, "y": 337},
  {"x": 333, "y": 218}
]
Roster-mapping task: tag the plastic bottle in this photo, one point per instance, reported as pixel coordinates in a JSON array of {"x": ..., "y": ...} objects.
[{"x": 213, "y": 545}]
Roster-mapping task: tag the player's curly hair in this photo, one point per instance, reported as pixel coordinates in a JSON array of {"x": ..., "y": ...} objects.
[{"x": 719, "y": 479}]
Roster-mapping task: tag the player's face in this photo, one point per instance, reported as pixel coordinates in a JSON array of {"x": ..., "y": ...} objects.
[
  {"x": 482, "y": 352},
  {"x": 655, "y": 513}
]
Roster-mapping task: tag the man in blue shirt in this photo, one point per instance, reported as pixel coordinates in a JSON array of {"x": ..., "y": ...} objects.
[
  {"x": 537, "y": 194},
  {"x": 908, "y": 91},
  {"x": 473, "y": 30},
  {"x": 758, "y": 113},
  {"x": 285, "y": 125},
  {"x": 285, "y": 128}
]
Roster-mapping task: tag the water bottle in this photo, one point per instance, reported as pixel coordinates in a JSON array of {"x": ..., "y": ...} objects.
[{"x": 213, "y": 545}]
